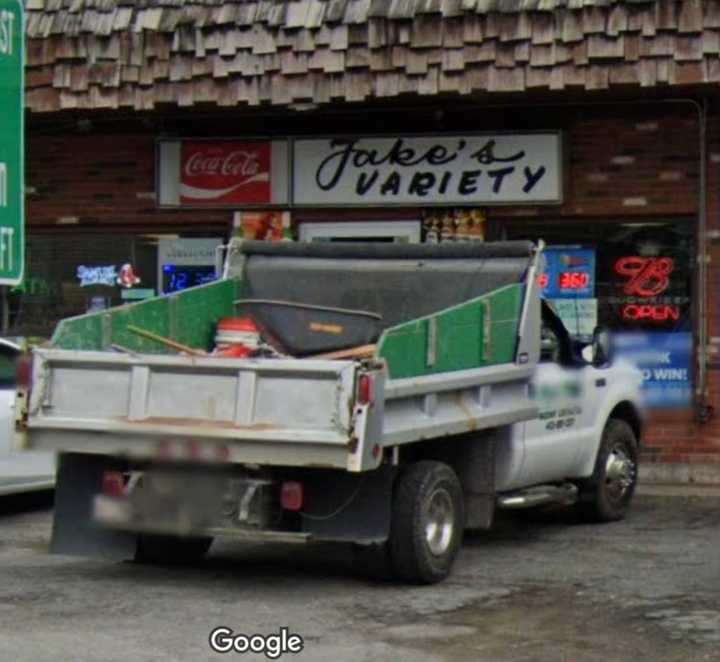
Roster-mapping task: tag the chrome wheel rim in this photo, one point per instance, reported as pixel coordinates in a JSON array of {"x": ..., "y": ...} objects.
[
  {"x": 439, "y": 522},
  {"x": 619, "y": 473}
]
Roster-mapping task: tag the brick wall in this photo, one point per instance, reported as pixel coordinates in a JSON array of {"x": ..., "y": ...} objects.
[
  {"x": 100, "y": 181},
  {"x": 677, "y": 438},
  {"x": 619, "y": 168},
  {"x": 705, "y": 446}
]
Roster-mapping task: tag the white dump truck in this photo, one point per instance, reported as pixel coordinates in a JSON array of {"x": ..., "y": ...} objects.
[{"x": 400, "y": 395}]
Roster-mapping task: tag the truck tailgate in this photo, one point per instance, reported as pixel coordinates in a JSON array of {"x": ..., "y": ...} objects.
[{"x": 281, "y": 411}]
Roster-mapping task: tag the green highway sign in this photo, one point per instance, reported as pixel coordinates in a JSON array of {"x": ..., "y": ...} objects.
[{"x": 12, "y": 143}]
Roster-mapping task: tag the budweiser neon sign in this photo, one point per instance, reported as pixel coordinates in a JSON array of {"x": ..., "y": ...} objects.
[
  {"x": 646, "y": 276},
  {"x": 228, "y": 172}
]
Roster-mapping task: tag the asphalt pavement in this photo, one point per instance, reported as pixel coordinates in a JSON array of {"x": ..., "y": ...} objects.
[{"x": 541, "y": 587}]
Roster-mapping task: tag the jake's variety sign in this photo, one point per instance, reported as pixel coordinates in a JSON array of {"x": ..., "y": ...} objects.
[{"x": 475, "y": 169}]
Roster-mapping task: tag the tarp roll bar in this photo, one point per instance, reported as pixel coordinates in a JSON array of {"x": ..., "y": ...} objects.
[{"x": 387, "y": 251}]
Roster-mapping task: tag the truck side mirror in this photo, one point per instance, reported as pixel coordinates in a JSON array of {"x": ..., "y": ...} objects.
[{"x": 601, "y": 346}]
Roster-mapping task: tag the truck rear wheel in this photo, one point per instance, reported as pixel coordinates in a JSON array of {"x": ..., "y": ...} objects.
[
  {"x": 606, "y": 495},
  {"x": 427, "y": 522},
  {"x": 155, "y": 549}
]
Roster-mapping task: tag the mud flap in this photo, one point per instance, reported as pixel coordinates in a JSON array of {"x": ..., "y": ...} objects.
[
  {"x": 475, "y": 467},
  {"x": 349, "y": 507},
  {"x": 79, "y": 479}
]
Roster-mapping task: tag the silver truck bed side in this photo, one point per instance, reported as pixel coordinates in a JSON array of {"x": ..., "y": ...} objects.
[{"x": 456, "y": 402}]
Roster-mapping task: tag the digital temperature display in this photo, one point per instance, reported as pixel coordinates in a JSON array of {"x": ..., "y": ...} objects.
[
  {"x": 177, "y": 277},
  {"x": 573, "y": 280}
]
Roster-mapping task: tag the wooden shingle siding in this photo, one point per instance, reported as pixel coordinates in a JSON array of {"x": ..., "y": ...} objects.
[{"x": 138, "y": 53}]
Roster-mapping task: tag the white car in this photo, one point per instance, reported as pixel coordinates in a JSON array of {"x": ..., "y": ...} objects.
[{"x": 26, "y": 471}]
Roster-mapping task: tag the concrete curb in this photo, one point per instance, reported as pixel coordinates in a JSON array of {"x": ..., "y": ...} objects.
[
  {"x": 678, "y": 490},
  {"x": 652, "y": 473}
]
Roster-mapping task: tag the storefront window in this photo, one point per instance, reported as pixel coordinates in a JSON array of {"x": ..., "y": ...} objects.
[
  {"x": 72, "y": 274},
  {"x": 633, "y": 278}
]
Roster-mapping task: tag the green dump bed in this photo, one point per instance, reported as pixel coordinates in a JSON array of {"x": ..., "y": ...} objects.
[
  {"x": 443, "y": 308},
  {"x": 459, "y": 335}
]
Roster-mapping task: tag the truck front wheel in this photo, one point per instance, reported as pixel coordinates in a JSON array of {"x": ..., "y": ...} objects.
[
  {"x": 606, "y": 495},
  {"x": 155, "y": 549},
  {"x": 427, "y": 522}
]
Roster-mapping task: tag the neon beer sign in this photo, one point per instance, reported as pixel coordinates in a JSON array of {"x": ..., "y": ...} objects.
[
  {"x": 632, "y": 312},
  {"x": 646, "y": 277}
]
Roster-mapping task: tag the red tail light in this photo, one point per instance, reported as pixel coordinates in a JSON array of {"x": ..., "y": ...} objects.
[
  {"x": 365, "y": 390},
  {"x": 113, "y": 484},
  {"x": 194, "y": 450},
  {"x": 23, "y": 371},
  {"x": 292, "y": 495}
]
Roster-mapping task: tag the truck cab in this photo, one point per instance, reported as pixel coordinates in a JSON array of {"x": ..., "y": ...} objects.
[{"x": 579, "y": 388}]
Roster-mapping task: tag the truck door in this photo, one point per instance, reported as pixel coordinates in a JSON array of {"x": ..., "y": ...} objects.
[{"x": 563, "y": 388}]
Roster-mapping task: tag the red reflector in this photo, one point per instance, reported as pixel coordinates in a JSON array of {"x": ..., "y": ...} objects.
[
  {"x": 292, "y": 495},
  {"x": 23, "y": 371},
  {"x": 164, "y": 450},
  {"x": 113, "y": 484},
  {"x": 365, "y": 390}
]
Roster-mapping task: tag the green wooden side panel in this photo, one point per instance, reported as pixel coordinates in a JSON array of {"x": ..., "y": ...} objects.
[
  {"x": 460, "y": 341},
  {"x": 188, "y": 317}
]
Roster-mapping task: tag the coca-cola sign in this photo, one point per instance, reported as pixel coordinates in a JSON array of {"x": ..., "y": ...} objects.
[{"x": 230, "y": 172}]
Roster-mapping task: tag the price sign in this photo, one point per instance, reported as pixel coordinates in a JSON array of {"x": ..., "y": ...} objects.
[
  {"x": 12, "y": 143},
  {"x": 573, "y": 280},
  {"x": 569, "y": 273}
]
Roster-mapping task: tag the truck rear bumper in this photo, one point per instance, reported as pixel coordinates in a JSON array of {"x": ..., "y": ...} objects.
[{"x": 117, "y": 514}]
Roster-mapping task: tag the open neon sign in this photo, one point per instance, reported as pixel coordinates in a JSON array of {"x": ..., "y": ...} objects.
[{"x": 632, "y": 312}]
